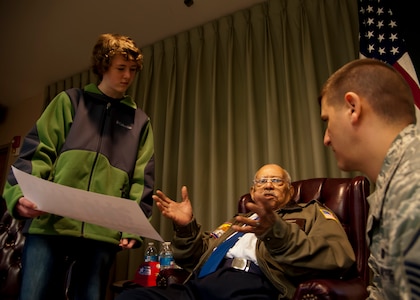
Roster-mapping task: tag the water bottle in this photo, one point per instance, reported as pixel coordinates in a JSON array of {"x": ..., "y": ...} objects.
[
  {"x": 148, "y": 271},
  {"x": 151, "y": 253},
  {"x": 166, "y": 256}
]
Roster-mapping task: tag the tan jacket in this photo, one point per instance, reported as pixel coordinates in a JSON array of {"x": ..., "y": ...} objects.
[{"x": 307, "y": 241}]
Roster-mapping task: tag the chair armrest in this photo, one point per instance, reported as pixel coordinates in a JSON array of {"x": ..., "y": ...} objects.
[
  {"x": 327, "y": 289},
  {"x": 171, "y": 276}
]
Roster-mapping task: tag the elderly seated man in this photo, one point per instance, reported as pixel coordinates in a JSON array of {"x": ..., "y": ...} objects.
[{"x": 267, "y": 251}]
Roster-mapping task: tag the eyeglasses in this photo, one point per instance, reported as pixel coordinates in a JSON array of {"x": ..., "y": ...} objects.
[{"x": 275, "y": 181}]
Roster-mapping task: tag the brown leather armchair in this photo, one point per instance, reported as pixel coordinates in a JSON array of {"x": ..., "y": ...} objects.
[
  {"x": 11, "y": 246},
  {"x": 347, "y": 198}
]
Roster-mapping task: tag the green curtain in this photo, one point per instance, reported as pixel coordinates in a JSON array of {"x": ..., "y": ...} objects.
[{"x": 234, "y": 94}]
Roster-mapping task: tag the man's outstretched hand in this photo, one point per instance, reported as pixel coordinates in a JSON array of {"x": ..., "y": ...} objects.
[{"x": 179, "y": 212}]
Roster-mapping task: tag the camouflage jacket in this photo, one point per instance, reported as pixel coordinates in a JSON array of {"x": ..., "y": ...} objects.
[{"x": 393, "y": 227}]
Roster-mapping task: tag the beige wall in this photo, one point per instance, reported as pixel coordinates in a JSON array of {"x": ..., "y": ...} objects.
[{"x": 20, "y": 119}]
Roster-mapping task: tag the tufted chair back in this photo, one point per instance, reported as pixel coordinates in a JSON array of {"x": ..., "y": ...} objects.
[
  {"x": 11, "y": 244},
  {"x": 347, "y": 198}
]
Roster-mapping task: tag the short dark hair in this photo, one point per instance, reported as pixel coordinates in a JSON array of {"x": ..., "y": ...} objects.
[{"x": 387, "y": 92}]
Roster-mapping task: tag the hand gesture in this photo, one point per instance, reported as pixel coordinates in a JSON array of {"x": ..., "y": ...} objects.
[
  {"x": 180, "y": 212},
  {"x": 266, "y": 218}
]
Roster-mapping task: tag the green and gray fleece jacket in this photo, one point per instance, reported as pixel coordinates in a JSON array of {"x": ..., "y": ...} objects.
[{"x": 88, "y": 141}]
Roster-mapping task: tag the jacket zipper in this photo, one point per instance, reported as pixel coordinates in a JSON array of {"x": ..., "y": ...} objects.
[{"x": 103, "y": 119}]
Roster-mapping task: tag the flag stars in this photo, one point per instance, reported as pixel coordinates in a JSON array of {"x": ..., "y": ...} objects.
[
  {"x": 378, "y": 34},
  {"x": 369, "y": 34},
  {"x": 392, "y": 24},
  {"x": 395, "y": 50},
  {"x": 382, "y": 51},
  {"x": 393, "y": 37}
]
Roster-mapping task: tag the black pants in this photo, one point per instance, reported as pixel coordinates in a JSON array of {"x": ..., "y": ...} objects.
[{"x": 224, "y": 284}]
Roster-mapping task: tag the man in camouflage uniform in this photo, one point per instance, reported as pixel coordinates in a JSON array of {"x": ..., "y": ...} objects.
[{"x": 371, "y": 127}]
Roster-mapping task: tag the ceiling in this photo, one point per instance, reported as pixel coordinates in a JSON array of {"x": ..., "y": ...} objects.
[{"x": 47, "y": 40}]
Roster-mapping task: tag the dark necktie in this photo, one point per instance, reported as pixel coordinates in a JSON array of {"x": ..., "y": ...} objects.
[{"x": 218, "y": 254}]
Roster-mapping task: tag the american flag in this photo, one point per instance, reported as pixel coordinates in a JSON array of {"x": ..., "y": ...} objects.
[{"x": 381, "y": 37}]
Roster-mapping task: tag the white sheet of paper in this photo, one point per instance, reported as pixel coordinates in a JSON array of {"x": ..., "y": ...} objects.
[{"x": 107, "y": 211}]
